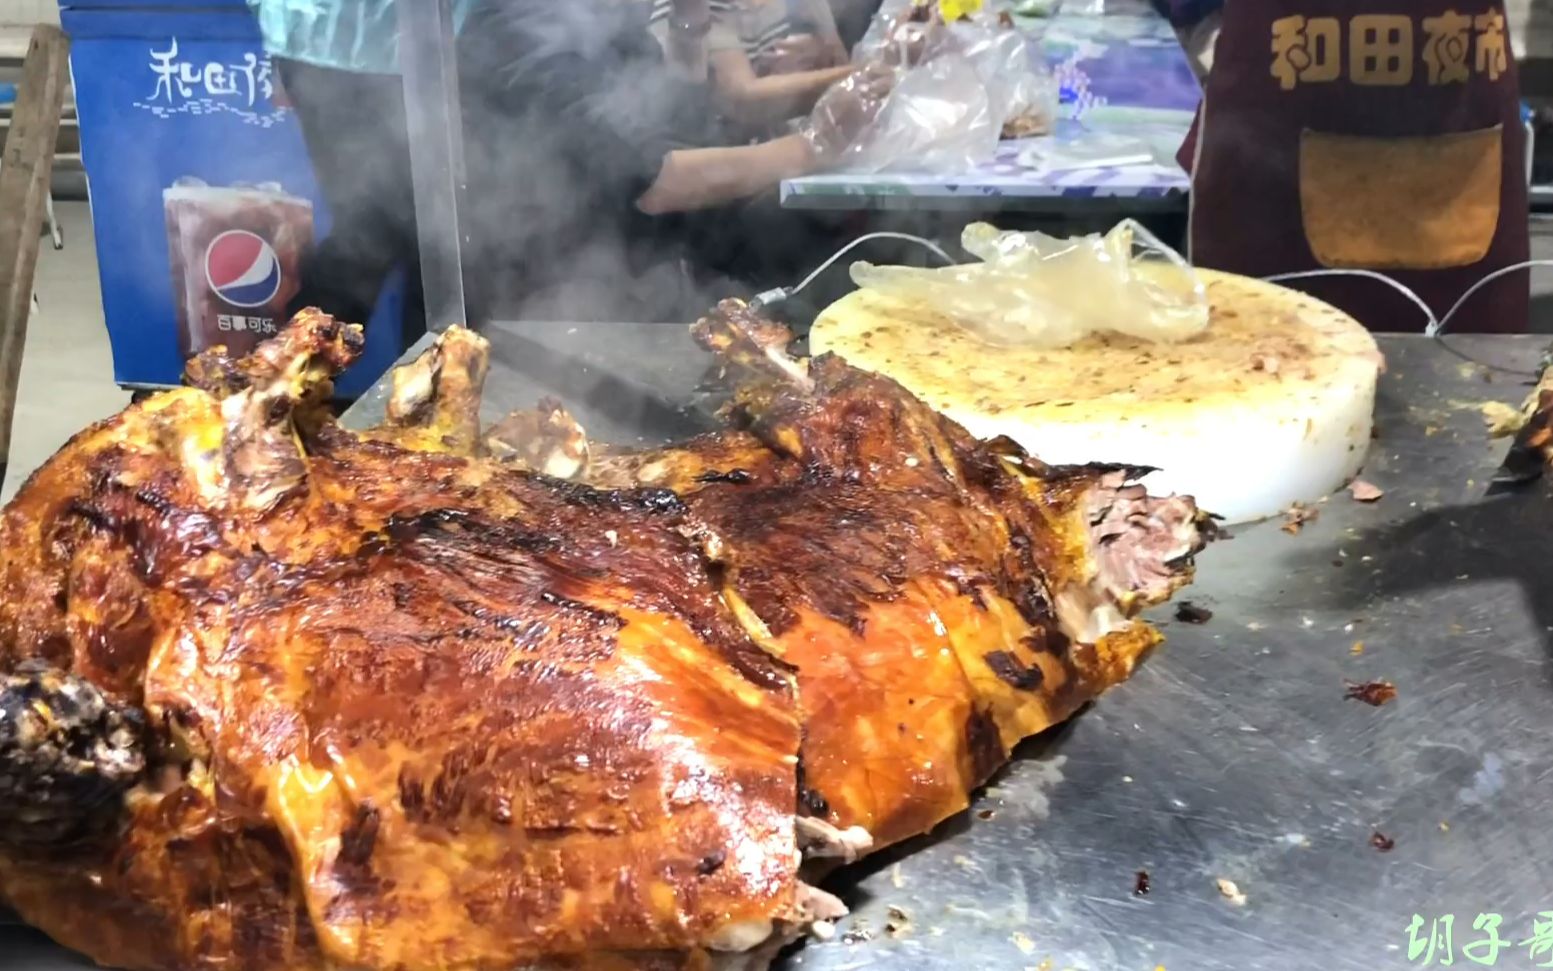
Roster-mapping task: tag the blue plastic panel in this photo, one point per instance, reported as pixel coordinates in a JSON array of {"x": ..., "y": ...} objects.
[{"x": 168, "y": 93}]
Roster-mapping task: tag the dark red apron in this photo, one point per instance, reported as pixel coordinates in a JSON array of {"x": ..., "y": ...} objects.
[{"x": 1364, "y": 134}]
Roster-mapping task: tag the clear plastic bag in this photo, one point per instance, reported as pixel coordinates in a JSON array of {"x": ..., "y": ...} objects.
[
  {"x": 1035, "y": 290},
  {"x": 896, "y": 35},
  {"x": 957, "y": 89},
  {"x": 1021, "y": 92},
  {"x": 938, "y": 118},
  {"x": 841, "y": 127}
]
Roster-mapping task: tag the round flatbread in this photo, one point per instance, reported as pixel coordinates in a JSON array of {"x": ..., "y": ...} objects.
[{"x": 1272, "y": 404}]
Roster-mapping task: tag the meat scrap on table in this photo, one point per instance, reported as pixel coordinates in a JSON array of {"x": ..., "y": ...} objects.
[
  {"x": 1297, "y": 515},
  {"x": 1363, "y": 491},
  {"x": 1373, "y": 693}
]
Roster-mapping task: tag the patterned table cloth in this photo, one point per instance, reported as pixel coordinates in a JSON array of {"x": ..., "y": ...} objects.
[{"x": 1127, "y": 95}]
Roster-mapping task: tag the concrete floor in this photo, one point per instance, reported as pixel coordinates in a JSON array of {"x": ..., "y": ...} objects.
[{"x": 67, "y": 370}]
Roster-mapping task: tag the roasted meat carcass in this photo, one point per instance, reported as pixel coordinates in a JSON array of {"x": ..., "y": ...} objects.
[
  {"x": 1532, "y": 448},
  {"x": 279, "y": 696}
]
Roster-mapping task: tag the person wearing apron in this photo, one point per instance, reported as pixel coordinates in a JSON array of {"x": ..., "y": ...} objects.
[{"x": 1366, "y": 134}]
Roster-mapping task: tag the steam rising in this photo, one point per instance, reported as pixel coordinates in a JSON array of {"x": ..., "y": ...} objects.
[{"x": 569, "y": 111}]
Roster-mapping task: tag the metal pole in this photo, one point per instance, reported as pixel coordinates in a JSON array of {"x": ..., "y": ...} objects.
[{"x": 433, "y": 119}]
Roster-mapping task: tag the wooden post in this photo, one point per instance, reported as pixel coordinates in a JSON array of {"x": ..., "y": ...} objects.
[{"x": 27, "y": 166}]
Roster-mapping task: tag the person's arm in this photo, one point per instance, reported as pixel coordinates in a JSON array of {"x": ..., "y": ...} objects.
[
  {"x": 825, "y": 27},
  {"x": 695, "y": 178},
  {"x": 747, "y": 97}
]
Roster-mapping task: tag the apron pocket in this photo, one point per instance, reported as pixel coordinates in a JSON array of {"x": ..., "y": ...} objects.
[{"x": 1413, "y": 203}]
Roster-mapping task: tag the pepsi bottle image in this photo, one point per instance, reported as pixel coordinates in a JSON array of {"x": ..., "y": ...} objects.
[{"x": 234, "y": 253}]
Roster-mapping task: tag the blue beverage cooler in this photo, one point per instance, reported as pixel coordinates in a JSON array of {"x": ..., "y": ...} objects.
[{"x": 201, "y": 191}]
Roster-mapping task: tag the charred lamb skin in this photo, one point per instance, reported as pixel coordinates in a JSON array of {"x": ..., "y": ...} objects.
[
  {"x": 67, "y": 755},
  {"x": 279, "y": 696},
  {"x": 1532, "y": 449},
  {"x": 941, "y": 598}
]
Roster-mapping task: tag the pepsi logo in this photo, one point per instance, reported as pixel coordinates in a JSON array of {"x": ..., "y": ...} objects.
[{"x": 242, "y": 269}]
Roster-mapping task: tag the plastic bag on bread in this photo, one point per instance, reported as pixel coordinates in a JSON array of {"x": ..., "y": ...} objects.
[{"x": 1035, "y": 290}]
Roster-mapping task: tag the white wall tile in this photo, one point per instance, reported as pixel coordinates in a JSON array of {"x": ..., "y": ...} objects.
[{"x": 14, "y": 12}]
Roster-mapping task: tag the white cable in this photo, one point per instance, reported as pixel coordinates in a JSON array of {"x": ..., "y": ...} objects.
[
  {"x": 782, "y": 293},
  {"x": 863, "y": 239},
  {"x": 1440, "y": 329},
  {"x": 1435, "y": 326},
  {"x": 1431, "y": 326}
]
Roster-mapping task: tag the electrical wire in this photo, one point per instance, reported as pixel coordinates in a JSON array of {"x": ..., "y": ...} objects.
[
  {"x": 1445, "y": 345},
  {"x": 782, "y": 293},
  {"x": 1480, "y": 284},
  {"x": 1434, "y": 327},
  {"x": 1368, "y": 274}
]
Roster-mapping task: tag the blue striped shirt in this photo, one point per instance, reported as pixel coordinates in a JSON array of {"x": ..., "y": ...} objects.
[
  {"x": 353, "y": 35},
  {"x": 755, "y": 25}
]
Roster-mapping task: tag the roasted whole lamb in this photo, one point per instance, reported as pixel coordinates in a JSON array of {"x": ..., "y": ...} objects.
[{"x": 279, "y": 696}]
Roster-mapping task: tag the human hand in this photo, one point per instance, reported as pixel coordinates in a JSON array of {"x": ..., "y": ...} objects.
[
  {"x": 906, "y": 43},
  {"x": 689, "y": 23},
  {"x": 846, "y": 109},
  {"x": 833, "y": 52},
  {"x": 791, "y": 54}
]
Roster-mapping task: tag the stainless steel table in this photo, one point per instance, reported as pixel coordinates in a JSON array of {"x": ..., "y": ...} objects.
[{"x": 1233, "y": 753}]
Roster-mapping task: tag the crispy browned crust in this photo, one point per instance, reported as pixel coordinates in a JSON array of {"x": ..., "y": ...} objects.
[
  {"x": 1532, "y": 449},
  {"x": 437, "y": 688},
  {"x": 422, "y": 710},
  {"x": 911, "y": 575}
]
